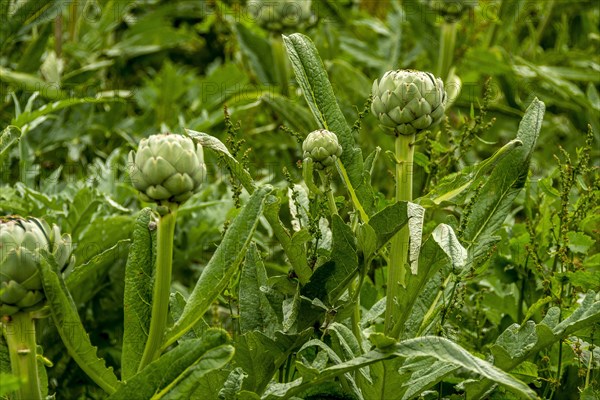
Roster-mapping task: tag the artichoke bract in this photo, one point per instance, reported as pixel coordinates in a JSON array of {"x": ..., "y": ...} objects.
[
  {"x": 167, "y": 168},
  {"x": 322, "y": 147},
  {"x": 21, "y": 240},
  {"x": 280, "y": 15},
  {"x": 407, "y": 102}
]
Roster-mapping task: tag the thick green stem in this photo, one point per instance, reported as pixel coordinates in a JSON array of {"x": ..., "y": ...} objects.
[
  {"x": 447, "y": 44},
  {"x": 162, "y": 286},
  {"x": 326, "y": 181},
  {"x": 356, "y": 302},
  {"x": 398, "y": 256},
  {"x": 20, "y": 337},
  {"x": 280, "y": 64}
]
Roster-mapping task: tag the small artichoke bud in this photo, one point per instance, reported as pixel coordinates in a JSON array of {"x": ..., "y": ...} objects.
[
  {"x": 167, "y": 168},
  {"x": 322, "y": 147},
  {"x": 21, "y": 240},
  {"x": 280, "y": 15},
  {"x": 450, "y": 10},
  {"x": 407, "y": 102}
]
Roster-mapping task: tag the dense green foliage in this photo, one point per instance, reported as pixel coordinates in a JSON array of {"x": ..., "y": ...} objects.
[{"x": 279, "y": 272}]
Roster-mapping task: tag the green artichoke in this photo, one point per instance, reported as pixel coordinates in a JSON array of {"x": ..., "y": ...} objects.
[
  {"x": 280, "y": 15},
  {"x": 450, "y": 10},
  {"x": 407, "y": 102},
  {"x": 20, "y": 242},
  {"x": 167, "y": 168},
  {"x": 322, "y": 147}
]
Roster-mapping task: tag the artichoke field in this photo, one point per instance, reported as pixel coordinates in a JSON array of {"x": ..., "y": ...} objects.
[{"x": 299, "y": 200}]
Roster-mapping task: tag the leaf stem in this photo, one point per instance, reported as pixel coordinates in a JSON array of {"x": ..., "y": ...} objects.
[
  {"x": 162, "y": 285},
  {"x": 397, "y": 267},
  {"x": 20, "y": 337}
]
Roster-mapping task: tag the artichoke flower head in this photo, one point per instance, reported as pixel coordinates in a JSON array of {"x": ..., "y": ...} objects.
[
  {"x": 450, "y": 10},
  {"x": 21, "y": 242},
  {"x": 322, "y": 147},
  {"x": 280, "y": 15},
  {"x": 167, "y": 168},
  {"x": 407, "y": 102}
]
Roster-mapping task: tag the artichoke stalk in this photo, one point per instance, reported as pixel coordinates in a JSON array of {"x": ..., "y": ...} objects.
[
  {"x": 407, "y": 103},
  {"x": 451, "y": 12},
  {"x": 166, "y": 169},
  {"x": 22, "y": 293},
  {"x": 320, "y": 151}
]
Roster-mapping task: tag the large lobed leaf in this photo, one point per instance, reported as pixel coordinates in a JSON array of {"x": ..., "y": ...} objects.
[
  {"x": 505, "y": 182},
  {"x": 175, "y": 374},
  {"x": 255, "y": 311},
  {"x": 222, "y": 265},
  {"x": 437, "y": 349},
  {"x": 137, "y": 301},
  {"x": 69, "y": 326}
]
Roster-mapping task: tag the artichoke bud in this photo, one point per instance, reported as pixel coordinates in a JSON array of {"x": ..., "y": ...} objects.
[
  {"x": 280, "y": 15},
  {"x": 407, "y": 102},
  {"x": 450, "y": 10},
  {"x": 167, "y": 168},
  {"x": 322, "y": 147},
  {"x": 21, "y": 242}
]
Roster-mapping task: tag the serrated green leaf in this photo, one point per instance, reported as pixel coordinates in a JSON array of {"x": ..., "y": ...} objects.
[
  {"x": 367, "y": 240},
  {"x": 255, "y": 310},
  {"x": 505, "y": 182},
  {"x": 387, "y": 222},
  {"x": 330, "y": 279},
  {"x": 161, "y": 376},
  {"x": 579, "y": 242},
  {"x": 548, "y": 332},
  {"x": 214, "y": 359},
  {"x": 431, "y": 347},
  {"x": 215, "y": 144},
  {"x": 440, "y": 254},
  {"x": 137, "y": 301},
  {"x": 69, "y": 326},
  {"x": 424, "y": 374},
  {"x": 222, "y": 265},
  {"x": 291, "y": 308},
  {"x": 233, "y": 384},
  {"x": 454, "y": 185},
  {"x": 514, "y": 342}
]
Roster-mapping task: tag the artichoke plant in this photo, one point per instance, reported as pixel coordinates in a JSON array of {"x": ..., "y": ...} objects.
[
  {"x": 322, "y": 147},
  {"x": 167, "y": 168},
  {"x": 280, "y": 15},
  {"x": 21, "y": 240},
  {"x": 407, "y": 102}
]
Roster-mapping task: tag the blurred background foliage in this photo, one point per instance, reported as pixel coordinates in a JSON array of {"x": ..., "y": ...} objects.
[{"x": 82, "y": 81}]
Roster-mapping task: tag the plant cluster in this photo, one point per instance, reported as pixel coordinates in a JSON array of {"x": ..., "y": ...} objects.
[{"x": 439, "y": 245}]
